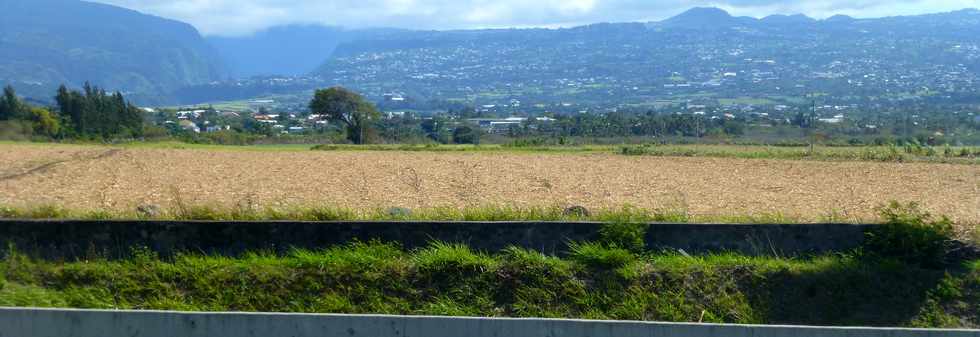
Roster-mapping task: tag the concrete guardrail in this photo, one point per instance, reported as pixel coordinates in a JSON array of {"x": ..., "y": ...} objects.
[{"x": 29, "y": 322}]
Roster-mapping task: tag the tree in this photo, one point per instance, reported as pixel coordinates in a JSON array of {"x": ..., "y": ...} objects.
[
  {"x": 465, "y": 134},
  {"x": 97, "y": 114},
  {"x": 10, "y": 105},
  {"x": 347, "y": 107},
  {"x": 45, "y": 122},
  {"x": 69, "y": 105},
  {"x": 436, "y": 128},
  {"x": 251, "y": 125}
]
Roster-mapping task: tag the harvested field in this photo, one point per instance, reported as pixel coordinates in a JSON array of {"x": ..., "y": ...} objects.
[{"x": 91, "y": 177}]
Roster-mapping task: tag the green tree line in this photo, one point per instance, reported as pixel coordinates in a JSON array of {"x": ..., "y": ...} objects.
[{"x": 87, "y": 114}]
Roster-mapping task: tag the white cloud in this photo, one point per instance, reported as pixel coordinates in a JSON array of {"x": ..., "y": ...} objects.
[{"x": 237, "y": 17}]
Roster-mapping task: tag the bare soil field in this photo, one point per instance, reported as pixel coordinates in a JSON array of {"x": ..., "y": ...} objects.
[{"x": 121, "y": 178}]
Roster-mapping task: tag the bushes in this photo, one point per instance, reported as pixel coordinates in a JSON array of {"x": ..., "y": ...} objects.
[
  {"x": 634, "y": 150},
  {"x": 629, "y": 236},
  {"x": 911, "y": 235}
]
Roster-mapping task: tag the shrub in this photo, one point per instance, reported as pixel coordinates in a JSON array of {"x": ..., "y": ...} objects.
[
  {"x": 630, "y": 236},
  {"x": 911, "y": 235},
  {"x": 634, "y": 150}
]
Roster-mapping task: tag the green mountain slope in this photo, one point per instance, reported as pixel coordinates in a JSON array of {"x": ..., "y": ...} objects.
[{"x": 48, "y": 42}]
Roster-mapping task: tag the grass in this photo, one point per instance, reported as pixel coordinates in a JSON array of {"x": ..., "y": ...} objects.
[
  {"x": 594, "y": 282},
  {"x": 958, "y": 155},
  {"x": 509, "y": 148},
  {"x": 243, "y": 212},
  {"x": 611, "y": 278},
  {"x": 908, "y": 153},
  {"x": 172, "y": 145}
]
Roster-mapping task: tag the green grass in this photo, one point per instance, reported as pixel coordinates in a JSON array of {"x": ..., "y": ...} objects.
[
  {"x": 956, "y": 155},
  {"x": 189, "y": 146},
  {"x": 611, "y": 278},
  {"x": 938, "y": 154},
  {"x": 176, "y": 145},
  {"x": 594, "y": 282},
  {"x": 468, "y": 148},
  {"x": 624, "y": 214}
]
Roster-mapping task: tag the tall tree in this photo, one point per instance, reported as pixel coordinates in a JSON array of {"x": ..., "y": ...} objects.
[
  {"x": 68, "y": 104},
  {"x": 10, "y": 105},
  {"x": 347, "y": 107},
  {"x": 93, "y": 113}
]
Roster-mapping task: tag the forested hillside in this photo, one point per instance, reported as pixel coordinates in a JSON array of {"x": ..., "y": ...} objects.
[{"x": 46, "y": 43}]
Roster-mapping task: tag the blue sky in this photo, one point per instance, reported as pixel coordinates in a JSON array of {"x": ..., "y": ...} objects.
[{"x": 242, "y": 17}]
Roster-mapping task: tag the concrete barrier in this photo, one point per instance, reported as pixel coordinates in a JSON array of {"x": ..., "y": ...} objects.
[
  {"x": 59, "y": 239},
  {"x": 27, "y": 322}
]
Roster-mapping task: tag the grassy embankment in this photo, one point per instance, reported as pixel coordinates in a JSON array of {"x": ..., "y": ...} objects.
[{"x": 900, "y": 278}]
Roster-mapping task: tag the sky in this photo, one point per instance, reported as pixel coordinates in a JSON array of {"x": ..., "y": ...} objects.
[{"x": 243, "y": 17}]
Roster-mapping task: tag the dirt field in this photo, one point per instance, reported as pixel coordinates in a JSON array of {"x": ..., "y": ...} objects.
[{"x": 86, "y": 177}]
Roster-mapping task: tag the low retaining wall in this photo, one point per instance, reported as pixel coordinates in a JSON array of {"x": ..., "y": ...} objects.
[
  {"x": 79, "y": 239},
  {"x": 16, "y": 322}
]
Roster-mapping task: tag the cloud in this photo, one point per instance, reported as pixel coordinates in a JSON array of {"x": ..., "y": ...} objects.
[{"x": 239, "y": 17}]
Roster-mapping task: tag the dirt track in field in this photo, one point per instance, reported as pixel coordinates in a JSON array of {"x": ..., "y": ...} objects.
[{"x": 81, "y": 177}]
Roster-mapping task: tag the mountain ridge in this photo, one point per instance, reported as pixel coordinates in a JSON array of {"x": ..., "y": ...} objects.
[
  {"x": 47, "y": 43},
  {"x": 705, "y": 51},
  {"x": 240, "y": 51}
]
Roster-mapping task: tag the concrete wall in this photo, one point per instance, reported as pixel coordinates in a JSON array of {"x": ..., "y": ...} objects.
[
  {"x": 74, "y": 239},
  {"x": 77, "y": 323}
]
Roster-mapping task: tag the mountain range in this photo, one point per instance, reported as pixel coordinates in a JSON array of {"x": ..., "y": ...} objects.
[
  {"x": 704, "y": 52},
  {"x": 46, "y": 43}
]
